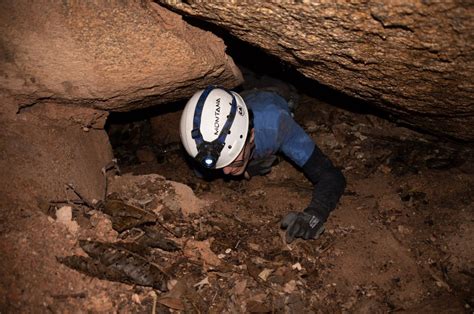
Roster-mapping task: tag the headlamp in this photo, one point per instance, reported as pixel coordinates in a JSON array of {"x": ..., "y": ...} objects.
[
  {"x": 209, "y": 162},
  {"x": 209, "y": 154}
]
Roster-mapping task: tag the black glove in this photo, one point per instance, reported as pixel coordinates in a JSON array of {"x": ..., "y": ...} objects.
[{"x": 302, "y": 225}]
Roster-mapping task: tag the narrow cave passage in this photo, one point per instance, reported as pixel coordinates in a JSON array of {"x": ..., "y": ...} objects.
[
  {"x": 79, "y": 234},
  {"x": 397, "y": 224}
]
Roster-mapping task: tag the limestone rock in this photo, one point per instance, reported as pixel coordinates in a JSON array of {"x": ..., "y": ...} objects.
[
  {"x": 413, "y": 59},
  {"x": 115, "y": 56}
]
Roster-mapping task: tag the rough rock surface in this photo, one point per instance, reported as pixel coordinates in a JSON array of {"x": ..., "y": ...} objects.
[
  {"x": 414, "y": 59},
  {"x": 46, "y": 147},
  {"x": 119, "y": 55}
]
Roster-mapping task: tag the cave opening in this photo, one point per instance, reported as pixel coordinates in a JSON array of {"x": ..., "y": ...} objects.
[
  {"x": 145, "y": 140},
  {"x": 396, "y": 182},
  {"x": 151, "y": 235}
]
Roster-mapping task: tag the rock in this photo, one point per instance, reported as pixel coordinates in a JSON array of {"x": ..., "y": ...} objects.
[
  {"x": 289, "y": 287},
  {"x": 45, "y": 148},
  {"x": 186, "y": 200},
  {"x": 111, "y": 56},
  {"x": 145, "y": 155},
  {"x": 201, "y": 251},
  {"x": 102, "y": 228},
  {"x": 162, "y": 133},
  {"x": 64, "y": 216},
  {"x": 407, "y": 58}
]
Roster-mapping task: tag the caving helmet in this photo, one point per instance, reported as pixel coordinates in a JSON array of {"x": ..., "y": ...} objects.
[{"x": 214, "y": 126}]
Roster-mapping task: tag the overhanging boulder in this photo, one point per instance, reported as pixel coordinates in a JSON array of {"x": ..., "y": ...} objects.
[
  {"x": 65, "y": 64},
  {"x": 115, "y": 56},
  {"x": 413, "y": 59}
]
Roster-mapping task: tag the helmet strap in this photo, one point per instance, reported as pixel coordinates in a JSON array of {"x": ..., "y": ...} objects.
[{"x": 211, "y": 149}]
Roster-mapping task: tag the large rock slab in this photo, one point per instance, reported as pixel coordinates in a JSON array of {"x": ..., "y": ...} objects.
[
  {"x": 115, "y": 55},
  {"x": 411, "y": 58},
  {"x": 46, "y": 147}
]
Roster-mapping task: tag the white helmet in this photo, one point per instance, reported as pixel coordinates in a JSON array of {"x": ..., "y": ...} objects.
[{"x": 214, "y": 126}]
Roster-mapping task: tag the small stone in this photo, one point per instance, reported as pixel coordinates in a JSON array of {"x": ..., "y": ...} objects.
[
  {"x": 64, "y": 216},
  {"x": 297, "y": 266},
  {"x": 228, "y": 251},
  {"x": 290, "y": 287},
  {"x": 404, "y": 230},
  {"x": 136, "y": 298}
]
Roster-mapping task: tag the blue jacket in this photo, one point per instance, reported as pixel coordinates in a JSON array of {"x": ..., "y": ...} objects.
[{"x": 275, "y": 129}]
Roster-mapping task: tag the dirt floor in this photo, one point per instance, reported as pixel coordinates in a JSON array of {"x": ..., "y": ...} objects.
[{"x": 401, "y": 239}]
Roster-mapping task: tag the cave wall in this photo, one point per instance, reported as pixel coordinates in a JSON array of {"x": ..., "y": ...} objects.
[
  {"x": 47, "y": 147},
  {"x": 414, "y": 59}
]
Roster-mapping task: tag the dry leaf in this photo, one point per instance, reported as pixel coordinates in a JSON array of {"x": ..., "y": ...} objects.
[
  {"x": 201, "y": 250},
  {"x": 258, "y": 307},
  {"x": 124, "y": 216},
  {"x": 172, "y": 303},
  {"x": 173, "y": 299},
  {"x": 290, "y": 287},
  {"x": 171, "y": 284},
  {"x": 265, "y": 273},
  {"x": 116, "y": 262},
  {"x": 136, "y": 299},
  {"x": 202, "y": 283},
  {"x": 254, "y": 247},
  {"x": 240, "y": 286}
]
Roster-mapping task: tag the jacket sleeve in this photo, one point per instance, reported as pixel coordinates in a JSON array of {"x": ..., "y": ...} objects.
[{"x": 329, "y": 184}]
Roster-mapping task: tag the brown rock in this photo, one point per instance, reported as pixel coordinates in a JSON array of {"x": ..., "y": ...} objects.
[
  {"x": 165, "y": 128},
  {"x": 117, "y": 56},
  {"x": 42, "y": 151},
  {"x": 413, "y": 59},
  {"x": 185, "y": 199},
  {"x": 145, "y": 155}
]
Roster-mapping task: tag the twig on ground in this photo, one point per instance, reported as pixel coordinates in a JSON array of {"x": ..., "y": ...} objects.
[
  {"x": 327, "y": 247},
  {"x": 155, "y": 299},
  {"x": 111, "y": 165},
  {"x": 83, "y": 199},
  {"x": 79, "y": 295},
  {"x": 440, "y": 281},
  {"x": 167, "y": 229}
]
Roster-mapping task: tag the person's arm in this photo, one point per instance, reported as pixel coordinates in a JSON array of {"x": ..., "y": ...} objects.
[{"x": 329, "y": 184}]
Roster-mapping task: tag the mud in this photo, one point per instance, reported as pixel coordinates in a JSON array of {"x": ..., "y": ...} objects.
[{"x": 401, "y": 239}]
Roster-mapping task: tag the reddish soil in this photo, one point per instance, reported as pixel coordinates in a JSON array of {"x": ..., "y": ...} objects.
[{"x": 401, "y": 239}]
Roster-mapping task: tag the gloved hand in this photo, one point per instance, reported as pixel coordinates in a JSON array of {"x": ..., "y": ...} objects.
[{"x": 302, "y": 225}]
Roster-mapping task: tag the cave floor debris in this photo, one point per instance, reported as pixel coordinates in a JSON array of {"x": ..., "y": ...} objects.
[{"x": 401, "y": 239}]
